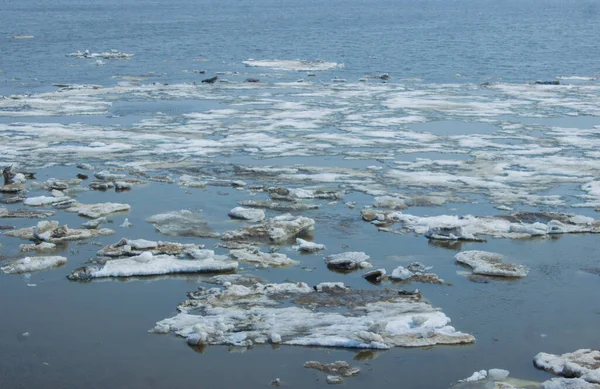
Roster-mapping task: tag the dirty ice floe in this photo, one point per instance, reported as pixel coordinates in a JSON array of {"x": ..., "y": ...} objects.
[
  {"x": 280, "y": 193},
  {"x": 51, "y": 231},
  {"x": 493, "y": 378},
  {"x": 336, "y": 370},
  {"x": 44, "y": 200},
  {"x": 254, "y": 255},
  {"x": 283, "y": 206},
  {"x": 296, "y": 314},
  {"x": 389, "y": 202},
  {"x": 490, "y": 264},
  {"x": 95, "y": 211},
  {"x": 147, "y": 264},
  {"x": 112, "y": 54},
  {"x": 293, "y": 65},
  {"x": 468, "y": 227},
  {"x": 43, "y": 246},
  {"x": 182, "y": 223},
  {"x": 24, "y": 213},
  {"x": 417, "y": 272},
  {"x": 350, "y": 260},
  {"x": 133, "y": 247},
  {"x": 583, "y": 363},
  {"x": 308, "y": 247},
  {"x": 275, "y": 230},
  {"x": 29, "y": 264}
]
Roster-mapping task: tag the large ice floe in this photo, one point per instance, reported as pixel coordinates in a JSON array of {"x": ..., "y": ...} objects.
[
  {"x": 182, "y": 223},
  {"x": 147, "y": 264},
  {"x": 293, "y": 65},
  {"x": 580, "y": 369},
  {"x": 328, "y": 315},
  {"x": 52, "y": 231},
  {"x": 516, "y": 226},
  {"x": 29, "y": 264},
  {"x": 490, "y": 264},
  {"x": 275, "y": 230}
]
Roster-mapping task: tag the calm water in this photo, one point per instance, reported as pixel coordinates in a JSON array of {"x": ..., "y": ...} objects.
[{"x": 93, "y": 335}]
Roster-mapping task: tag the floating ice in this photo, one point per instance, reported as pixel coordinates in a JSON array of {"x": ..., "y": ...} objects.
[
  {"x": 276, "y": 230},
  {"x": 490, "y": 264},
  {"x": 182, "y": 223},
  {"x": 583, "y": 363},
  {"x": 29, "y": 264},
  {"x": 338, "y": 368},
  {"x": 515, "y": 226},
  {"x": 147, "y": 264},
  {"x": 350, "y": 260},
  {"x": 301, "y": 315},
  {"x": 24, "y": 213},
  {"x": 95, "y": 211},
  {"x": 44, "y": 200},
  {"x": 112, "y": 54},
  {"x": 279, "y": 193},
  {"x": 51, "y": 231},
  {"x": 293, "y": 65},
  {"x": 43, "y": 246},
  {"x": 306, "y": 246},
  {"x": 247, "y": 214},
  {"x": 133, "y": 247},
  {"x": 389, "y": 202},
  {"x": 284, "y": 206},
  {"x": 568, "y": 383},
  {"x": 417, "y": 272},
  {"x": 256, "y": 256}
]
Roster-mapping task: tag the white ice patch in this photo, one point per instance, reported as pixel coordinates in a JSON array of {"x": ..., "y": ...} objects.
[
  {"x": 293, "y": 65},
  {"x": 240, "y": 315},
  {"x": 306, "y": 246},
  {"x": 147, "y": 264},
  {"x": 490, "y": 264},
  {"x": 29, "y": 264}
]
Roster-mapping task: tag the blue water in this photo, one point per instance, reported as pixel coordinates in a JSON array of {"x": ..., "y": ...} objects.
[{"x": 435, "y": 40}]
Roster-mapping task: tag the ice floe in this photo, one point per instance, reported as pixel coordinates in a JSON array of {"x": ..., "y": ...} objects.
[
  {"x": 133, "y": 247},
  {"x": 255, "y": 256},
  {"x": 308, "y": 247},
  {"x": 336, "y": 371},
  {"x": 247, "y": 214},
  {"x": 275, "y": 230},
  {"x": 112, "y": 54},
  {"x": 583, "y": 363},
  {"x": 182, "y": 223},
  {"x": 283, "y": 206},
  {"x": 147, "y": 264},
  {"x": 29, "y": 264},
  {"x": 51, "y": 231},
  {"x": 490, "y": 264},
  {"x": 416, "y": 272},
  {"x": 350, "y": 260},
  {"x": 24, "y": 213},
  {"x": 293, "y": 65},
  {"x": 95, "y": 211},
  {"x": 300, "y": 315},
  {"x": 469, "y": 227}
]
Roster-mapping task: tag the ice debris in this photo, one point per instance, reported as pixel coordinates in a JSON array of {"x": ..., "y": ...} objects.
[
  {"x": 254, "y": 255},
  {"x": 133, "y": 247},
  {"x": 43, "y": 246},
  {"x": 282, "y": 206},
  {"x": 307, "y": 247},
  {"x": 374, "y": 276},
  {"x": 515, "y": 225},
  {"x": 301, "y": 315},
  {"x": 583, "y": 363},
  {"x": 112, "y": 54},
  {"x": 276, "y": 230},
  {"x": 493, "y": 379},
  {"x": 182, "y": 223},
  {"x": 24, "y": 213},
  {"x": 389, "y": 202},
  {"x": 94, "y": 211},
  {"x": 335, "y": 371},
  {"x": 247, "y": 214},
  {"x": 350, "y": 260},
  {"x": 490, "y": 264},
  {"x": 568, "y": 383},
  {"x": 51, "y": 231},
  {"x": 416, "y": 272},
  {"x": 147, "y": 264},
  {"x": 280, "y": 193},
  {"x": 29, "y": 264}
]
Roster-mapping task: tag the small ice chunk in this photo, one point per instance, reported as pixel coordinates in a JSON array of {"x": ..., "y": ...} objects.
[
  {"x": 477, "y": 376},
  {"x": 347, "y": 261},
  {"x": 126, "y": 224},
  {"x": 306, "y": 246},
  {"x": 497, "y": 374},
  {"x": 334, "y": 380}
]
